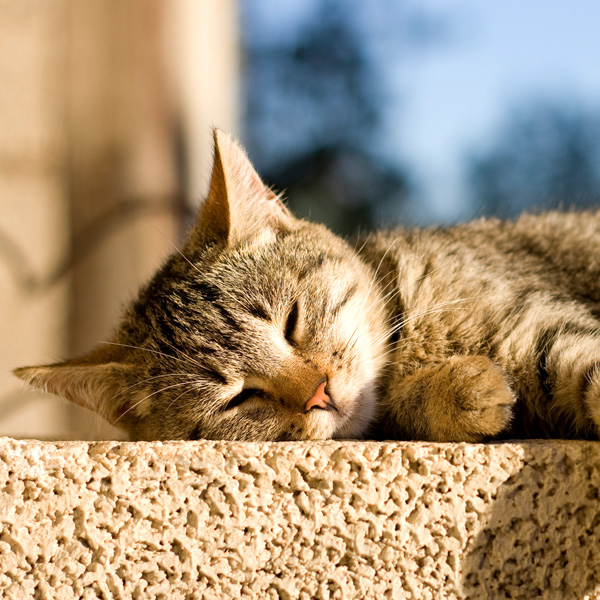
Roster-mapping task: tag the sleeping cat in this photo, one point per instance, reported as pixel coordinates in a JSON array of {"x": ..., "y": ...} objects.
[{"x": 268, "y": 327}]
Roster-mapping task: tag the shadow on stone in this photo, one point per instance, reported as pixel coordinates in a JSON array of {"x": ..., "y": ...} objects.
[{"x": 541, "y": 538}]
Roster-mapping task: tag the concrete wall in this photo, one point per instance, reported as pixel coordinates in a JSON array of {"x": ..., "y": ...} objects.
[{"x": 299, "y": 520}]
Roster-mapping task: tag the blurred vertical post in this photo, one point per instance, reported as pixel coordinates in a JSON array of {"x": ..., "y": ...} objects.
[
  {"x": 127, "y": 104},
  {"x": 203, "y": 49},
  {"x": 123, "y": 183},
  {"x": 34, "y": 209}
]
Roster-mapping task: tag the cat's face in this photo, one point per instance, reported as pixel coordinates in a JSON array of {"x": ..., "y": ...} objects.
[
  {"x": 264, "y": 327},
  {"x": 250, "y": 339}
]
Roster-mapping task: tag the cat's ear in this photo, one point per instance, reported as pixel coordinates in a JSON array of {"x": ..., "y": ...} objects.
[
  {"x": 239, "y": 205},
  {"x": 94, "y": 381}
]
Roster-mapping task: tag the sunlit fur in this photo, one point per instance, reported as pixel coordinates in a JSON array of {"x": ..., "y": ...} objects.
[
  {"x": 223, "y": 323},
  {"x": 468, "y": 333}
]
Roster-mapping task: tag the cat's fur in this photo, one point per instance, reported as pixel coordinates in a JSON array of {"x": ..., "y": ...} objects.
[{"x": 482, "y": 330}]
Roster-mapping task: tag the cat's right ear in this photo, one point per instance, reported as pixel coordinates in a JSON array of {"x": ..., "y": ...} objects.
[{"x": 239, "y": 206}]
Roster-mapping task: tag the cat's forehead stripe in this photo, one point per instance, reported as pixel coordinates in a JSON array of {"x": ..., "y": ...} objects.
[
  {"x": 202, "y": 351},
  {"x": 227, "y": 317},
  {"x": 312, "y": 266},
  {"x": 347, "y": 296},
  {"x": 208, "y": 291},
  {"x": 211, "y": 372},
  {"x": 258, "y": 310}
]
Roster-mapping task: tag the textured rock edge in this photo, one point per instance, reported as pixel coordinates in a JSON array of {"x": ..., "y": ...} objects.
[{"x": 303, "y": 520}]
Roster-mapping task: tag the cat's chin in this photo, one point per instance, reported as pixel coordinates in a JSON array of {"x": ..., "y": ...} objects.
[
  {"x": 357, "y": 415},
  {"x": 350, "y": 422}
]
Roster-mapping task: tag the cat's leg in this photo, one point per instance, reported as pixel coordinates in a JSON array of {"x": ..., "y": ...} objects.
[
  {"x": 464, "y": 398},
  {"x": 591, "y": 395},
  {"x": 569, "y": 373}
]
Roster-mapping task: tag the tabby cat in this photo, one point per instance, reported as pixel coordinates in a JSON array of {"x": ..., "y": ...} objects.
[{"x": 268, "y": 327}]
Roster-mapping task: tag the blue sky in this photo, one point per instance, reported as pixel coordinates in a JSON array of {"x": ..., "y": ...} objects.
[
  {"x": 447, "y": 99},
  {"x": 498, "y": 55}
]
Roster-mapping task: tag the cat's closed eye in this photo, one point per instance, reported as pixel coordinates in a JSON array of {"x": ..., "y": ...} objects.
[
  {"x": 242, "y": 397},
  {"x": 291, "y": 324}
]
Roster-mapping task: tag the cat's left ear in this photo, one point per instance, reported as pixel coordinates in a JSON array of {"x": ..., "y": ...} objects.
[
  {"x": 239, "y": 206},
  {"x": 94, "y": 381}
]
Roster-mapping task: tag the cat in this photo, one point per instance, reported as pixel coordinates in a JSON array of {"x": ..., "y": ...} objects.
[{"x": 267, "y": 327}]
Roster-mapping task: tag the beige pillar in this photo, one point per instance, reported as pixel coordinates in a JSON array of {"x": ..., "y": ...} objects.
[
  {"x": 204, "y": 67},
  {"x": 123, "y": 186},
  {"x": 34, "y": 210},
  {"x": 95, "y": 97}
]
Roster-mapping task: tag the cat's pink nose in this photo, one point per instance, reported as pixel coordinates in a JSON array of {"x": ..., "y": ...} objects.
[{"x": 321, "y": 399}]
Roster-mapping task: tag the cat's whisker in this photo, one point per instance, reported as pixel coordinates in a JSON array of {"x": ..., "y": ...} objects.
[
  {"x": 384, "y": 255},
  {"x": 388, "y": 297},
  {"x": 169, "y": 356},
  {"x": 174, "y": 374},
  {"x": 384, "y": 286},
  {"x": 353, "y": 339},
  {"x": 179, "y": 396},
  {"x": 178, "y": 250},
  {"x": 186, "y": 357},
  {"x": 409, "y": 320},
  {"x": 384, "y": 306},
  {"x": 164, "y": 389},
  {"x": 385, "y": 303},
  {"x": 345, "y": 348},
  {"x": 385, "y": 354},
  {"x": 380, "y": 310},
  {"x": 356, "y": 339},
  {"x": 374, "y": 279},
  {"x": 186, "y": 360},
  {"x": 426, "y": 313},
  {"x": 392, "y": 350},
  {"x": 391, "y": 294},
  {"x": 182, "y": 353},
  {"x": 387, "y": 370},
  {"x": 436, "y": 308},
  {"x": 362, "y": 247}
]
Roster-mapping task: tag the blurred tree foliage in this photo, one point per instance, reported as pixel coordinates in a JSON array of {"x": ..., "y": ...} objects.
[
  {"x": 546, "y": 156},
  {"x": 315, "y": 100}
]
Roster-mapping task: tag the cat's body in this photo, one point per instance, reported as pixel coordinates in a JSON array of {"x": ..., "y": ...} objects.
[
  {"x": 266, "y": 327},
  {"x": 519, "y": 297}
]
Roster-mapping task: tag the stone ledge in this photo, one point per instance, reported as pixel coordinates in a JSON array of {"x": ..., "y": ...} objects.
[{"x": 299, "y": 520}]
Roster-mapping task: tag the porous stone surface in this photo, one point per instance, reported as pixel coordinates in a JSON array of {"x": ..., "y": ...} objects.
[{"x": 299, "y": 520}]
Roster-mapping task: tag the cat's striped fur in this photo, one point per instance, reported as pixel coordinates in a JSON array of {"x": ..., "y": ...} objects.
[{"x": 267, "y": 327}]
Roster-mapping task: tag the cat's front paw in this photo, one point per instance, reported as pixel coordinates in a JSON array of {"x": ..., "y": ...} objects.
[{"x": 469, "y": 400}]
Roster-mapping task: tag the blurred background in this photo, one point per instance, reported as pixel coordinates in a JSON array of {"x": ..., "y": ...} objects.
[{"x": 367, "y": 114}]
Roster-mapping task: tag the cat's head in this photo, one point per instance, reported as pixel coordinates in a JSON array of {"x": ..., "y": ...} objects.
[{"x": 264, "y": 327}]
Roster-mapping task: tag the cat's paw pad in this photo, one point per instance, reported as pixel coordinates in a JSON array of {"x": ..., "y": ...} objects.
[{"x": 474, "y": 400}]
